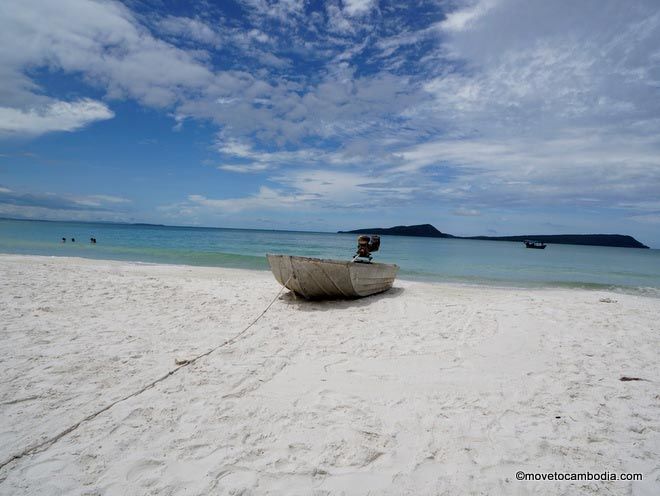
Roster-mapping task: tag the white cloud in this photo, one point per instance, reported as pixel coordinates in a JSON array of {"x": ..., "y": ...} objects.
[
  {"x": 347, "y": 189},
  {"x": 47, "y": 213},
  {"x": 110, "y": 48},
  {"x": 245, "y": 168},
  {"x": 189, "y": 29},
  {"x": 55, "y": 116},
  {"x": 307, "y": 190},
  {"x": 560, "y": 106},
  {"x": 246, "y": 159},
  {"x": 466, "y": 212},
  {"x": 56, "y": 206},
  {"x": 358, "y": 7},
  {"x": 266, "y": 198},
  {"x": 585, "y": 148},
  {"x": 106, "y": 44},
  {"x": 101, "y": 200},
  {"x": 462, "y": 19},
  {"x": 284, "y": 10},
  {"x": 647, "y": 218},
  {"x": 584, "y": 168}
]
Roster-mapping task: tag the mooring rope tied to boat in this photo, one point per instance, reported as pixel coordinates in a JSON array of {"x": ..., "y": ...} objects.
[{"x": 44, "y": 445}]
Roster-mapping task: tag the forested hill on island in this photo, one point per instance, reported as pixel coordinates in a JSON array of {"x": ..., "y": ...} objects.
[{"x": 429, "y": 231}]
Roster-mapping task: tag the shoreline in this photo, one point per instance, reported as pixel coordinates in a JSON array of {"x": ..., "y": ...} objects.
[
  {"x": 647, "y": 291},
  {"x": 429, "y": 388}
]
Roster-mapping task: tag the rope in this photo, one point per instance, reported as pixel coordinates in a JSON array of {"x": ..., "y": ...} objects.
[{"x": 44, "y": 445}]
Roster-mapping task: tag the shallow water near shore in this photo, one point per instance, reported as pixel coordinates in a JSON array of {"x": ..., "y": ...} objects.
[{"x": 452, "y": 260}]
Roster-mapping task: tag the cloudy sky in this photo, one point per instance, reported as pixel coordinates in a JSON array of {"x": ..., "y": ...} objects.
[{"x": 479, "y": 116}]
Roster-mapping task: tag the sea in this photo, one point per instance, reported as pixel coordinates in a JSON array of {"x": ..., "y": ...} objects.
[{"x": 497, "y": 263}]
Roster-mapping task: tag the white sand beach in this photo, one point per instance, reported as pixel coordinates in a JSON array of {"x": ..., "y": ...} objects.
[{"x": 426, "y": 389}]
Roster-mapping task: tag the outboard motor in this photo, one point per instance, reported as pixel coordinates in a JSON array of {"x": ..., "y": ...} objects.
[{"x": 366, "y": 246}]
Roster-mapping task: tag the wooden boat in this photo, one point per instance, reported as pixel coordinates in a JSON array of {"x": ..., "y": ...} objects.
[
  {"x": 315, "y": 278},
  {"x": 537, "y": 245}
]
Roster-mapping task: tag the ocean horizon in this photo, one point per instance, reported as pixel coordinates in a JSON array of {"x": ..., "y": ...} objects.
[{"x": 499, "y": 263}]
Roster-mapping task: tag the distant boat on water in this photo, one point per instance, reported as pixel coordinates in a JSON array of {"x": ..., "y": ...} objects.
[
  {"x": 316, "y": 278},
  {"x": 537, "y": 245}
]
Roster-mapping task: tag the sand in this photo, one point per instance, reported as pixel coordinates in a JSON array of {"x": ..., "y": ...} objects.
[{"x": 426, "y": 389}]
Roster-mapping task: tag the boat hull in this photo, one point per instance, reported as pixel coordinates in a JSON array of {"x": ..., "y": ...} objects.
[{"x": 315, "y": 278}]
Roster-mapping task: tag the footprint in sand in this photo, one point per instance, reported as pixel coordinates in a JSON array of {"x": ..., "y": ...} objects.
[
  {"x": 143, "y": 468},
  {"x": 42, "y": 469}
]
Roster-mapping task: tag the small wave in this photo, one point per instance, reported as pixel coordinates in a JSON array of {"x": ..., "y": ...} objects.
[{"x": 526, "y": 284}]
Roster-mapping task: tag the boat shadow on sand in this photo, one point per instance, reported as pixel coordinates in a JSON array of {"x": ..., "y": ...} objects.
[{"x": 301, "y": 303}]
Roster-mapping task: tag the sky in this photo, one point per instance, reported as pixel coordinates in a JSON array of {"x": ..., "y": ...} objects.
[{"x": 486, "y": 117}]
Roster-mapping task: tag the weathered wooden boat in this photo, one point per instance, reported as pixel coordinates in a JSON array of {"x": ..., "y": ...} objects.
[
  {"x": 315, "y": 278},
  {"x": 537, "y": 245}
]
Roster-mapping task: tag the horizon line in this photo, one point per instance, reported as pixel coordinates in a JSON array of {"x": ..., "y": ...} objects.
[{"x": 303, "y": 231}]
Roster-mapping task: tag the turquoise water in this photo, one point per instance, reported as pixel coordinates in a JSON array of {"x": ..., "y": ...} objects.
[{"x": 481, "y": 262}]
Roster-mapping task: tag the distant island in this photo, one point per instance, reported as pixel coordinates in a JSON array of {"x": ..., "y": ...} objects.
[{"x": 429, "y": 231}]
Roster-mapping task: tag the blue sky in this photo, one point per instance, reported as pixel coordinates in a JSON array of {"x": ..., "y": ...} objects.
[{"x": 479, "y": 116}]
